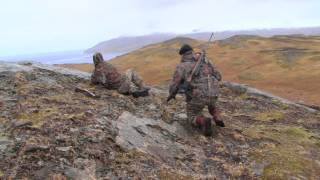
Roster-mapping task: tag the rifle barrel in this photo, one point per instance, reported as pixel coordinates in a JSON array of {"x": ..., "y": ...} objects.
[
  {"x": 209, "y": 41},
  {"x": 195, "y": 70}
]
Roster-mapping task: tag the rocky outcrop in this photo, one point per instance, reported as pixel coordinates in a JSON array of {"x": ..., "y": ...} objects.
[
  {"x": 242, "y": 88},
  {"x": 154, "y": 137},
  {"x": 50, "y": 130},
  {"x": 13, "y": 67}
]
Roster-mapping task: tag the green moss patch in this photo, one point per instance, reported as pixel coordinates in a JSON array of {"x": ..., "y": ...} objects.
[
  {"x": 283, "y": 106},
  {"x": 269, "y": 116},
  {"x": 293, "y": 153},
  {"x": 38, "y": 118}
]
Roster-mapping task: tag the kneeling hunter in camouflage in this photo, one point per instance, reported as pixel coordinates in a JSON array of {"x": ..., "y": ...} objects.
[{"x": 199, "y": 80}]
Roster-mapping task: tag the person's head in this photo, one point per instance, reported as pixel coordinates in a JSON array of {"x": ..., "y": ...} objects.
[
  {"x": 185, "y": 49},
  {"x": 97, "y": 58}
]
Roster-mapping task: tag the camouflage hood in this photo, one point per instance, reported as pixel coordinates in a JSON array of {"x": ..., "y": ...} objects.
[{"x": 107, "y": 75}]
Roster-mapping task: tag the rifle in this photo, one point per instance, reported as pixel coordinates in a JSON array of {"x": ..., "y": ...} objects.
[{"x": 201, "y": 60}]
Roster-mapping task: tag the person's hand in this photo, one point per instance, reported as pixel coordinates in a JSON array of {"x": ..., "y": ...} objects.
[
  {"x": 197, "y": 55},
  {"x": 220, "y": 123},
  {"x": 170, "y": 97}
]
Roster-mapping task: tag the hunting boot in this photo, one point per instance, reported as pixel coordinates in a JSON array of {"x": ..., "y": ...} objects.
[
  {"x": 204, "y": 124},
  {"x": 141, "y": 92},
  {"x": 215, "y": 116}
]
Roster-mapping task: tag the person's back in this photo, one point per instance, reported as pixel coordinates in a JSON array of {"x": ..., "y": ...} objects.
[
  {"x": 107, "y": 75},
  {"x": 183, "y": 70},
  {"x": 205, "y": 84}
]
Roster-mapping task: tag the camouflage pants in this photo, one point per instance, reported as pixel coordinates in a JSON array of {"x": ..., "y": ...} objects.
[
  {"x": 195, "y": 107},
  {"x": 131, "y": 82}
]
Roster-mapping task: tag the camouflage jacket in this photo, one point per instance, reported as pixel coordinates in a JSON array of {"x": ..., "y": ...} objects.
[
  {"x": 107, "y": 75},
  {"x": 203, "y": 86}
]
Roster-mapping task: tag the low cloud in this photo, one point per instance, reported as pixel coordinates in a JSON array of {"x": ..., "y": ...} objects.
[{"x": 43, "y": 25}]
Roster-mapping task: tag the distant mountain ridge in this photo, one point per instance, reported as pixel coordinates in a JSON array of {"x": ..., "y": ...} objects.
[{"x": 128, "y": 44}]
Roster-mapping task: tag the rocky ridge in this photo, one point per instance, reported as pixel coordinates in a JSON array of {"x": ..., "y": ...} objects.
[{"x": 50, "y": 131}]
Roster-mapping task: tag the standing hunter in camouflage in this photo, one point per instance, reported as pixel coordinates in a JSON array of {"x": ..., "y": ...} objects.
[
  {"x": 203, "y": 89},
  {"x": 107, "y": 75}
]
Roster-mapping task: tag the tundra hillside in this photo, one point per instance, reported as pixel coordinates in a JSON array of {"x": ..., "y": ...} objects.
[
  {"x": 50, "y": 130},
  {"x": 287, "y": 66}
]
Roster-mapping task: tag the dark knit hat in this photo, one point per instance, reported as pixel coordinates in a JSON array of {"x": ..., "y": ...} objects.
[{"x": 185, "y": 48}]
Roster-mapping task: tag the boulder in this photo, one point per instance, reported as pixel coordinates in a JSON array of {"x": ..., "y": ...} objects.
[{"x": 154, "y": 137}]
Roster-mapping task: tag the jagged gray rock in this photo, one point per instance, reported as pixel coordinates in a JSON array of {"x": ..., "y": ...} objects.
[
  {"x": 13, "y": 67},
  {"x": 29, "y": 65},
  {"x": 157, "y": 138},
  {"x": 142, "y": 133},
  {"x": 62, "y": 70}
]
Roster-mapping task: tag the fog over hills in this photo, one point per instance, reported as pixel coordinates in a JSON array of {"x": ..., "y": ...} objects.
[{"x": 131, "y": 43}]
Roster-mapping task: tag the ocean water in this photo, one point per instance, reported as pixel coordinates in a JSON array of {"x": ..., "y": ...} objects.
[{"x": 69, "y": 57}]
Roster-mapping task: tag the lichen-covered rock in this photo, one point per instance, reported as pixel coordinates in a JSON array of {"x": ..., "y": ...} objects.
[{"x": 154, "y": 136}]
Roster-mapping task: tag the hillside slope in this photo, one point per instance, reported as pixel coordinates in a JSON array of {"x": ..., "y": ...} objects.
[
  {"x": 50, "y": 131},
  {"x": 156, "y": 62},
  {"x": 288, "y": 66}
]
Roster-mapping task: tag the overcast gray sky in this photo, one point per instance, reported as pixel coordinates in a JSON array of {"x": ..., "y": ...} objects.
[{"x": 39, "y": 26}]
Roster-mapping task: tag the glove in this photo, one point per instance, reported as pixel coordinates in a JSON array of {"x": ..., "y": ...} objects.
[
  {"x": 220, "y": 123},
  {"x": 171, "y": 97}
]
